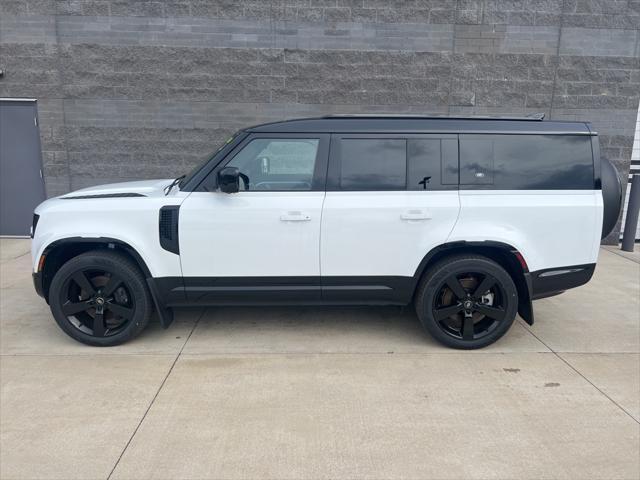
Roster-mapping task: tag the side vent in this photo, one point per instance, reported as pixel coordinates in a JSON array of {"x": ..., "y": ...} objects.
[
  {"x": 168, "y": 227},
  {"x": 34, "y": 224}
]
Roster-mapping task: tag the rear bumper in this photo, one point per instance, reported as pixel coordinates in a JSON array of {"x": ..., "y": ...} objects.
[{"x": 552, "y": 281}]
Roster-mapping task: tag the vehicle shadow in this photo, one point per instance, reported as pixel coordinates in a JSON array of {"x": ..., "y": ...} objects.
[{"x": 308, "y": 329}]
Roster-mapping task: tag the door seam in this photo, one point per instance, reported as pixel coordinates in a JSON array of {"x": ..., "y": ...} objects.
[{"x": 455, "y": 224}]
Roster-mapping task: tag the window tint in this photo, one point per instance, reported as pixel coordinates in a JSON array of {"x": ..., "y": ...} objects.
[
  {"x": 432, "y": 163},
  {"x": 373, "y": 164},
  {"x": 276, "y": 164},
  {"x": 476, "y": 159},
  {"x": 534, "y": 162}
]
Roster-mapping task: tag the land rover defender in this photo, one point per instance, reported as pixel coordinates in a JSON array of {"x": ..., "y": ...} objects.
[{"x": 468, "y": 219}]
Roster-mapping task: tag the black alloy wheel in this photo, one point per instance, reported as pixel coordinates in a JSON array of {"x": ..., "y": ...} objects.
[
  {"x": 100, "y": 298},
  {"x": 469, "y": 306},
  {"x": 467, "y": 301},
  {"x": 97, "y": 302}
]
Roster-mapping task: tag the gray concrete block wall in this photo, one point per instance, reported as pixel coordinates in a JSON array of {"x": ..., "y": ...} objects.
[{"x": 141, "y": 89}]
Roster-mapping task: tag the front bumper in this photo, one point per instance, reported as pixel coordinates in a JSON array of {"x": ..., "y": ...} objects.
[{"x": 37, "y": 283}]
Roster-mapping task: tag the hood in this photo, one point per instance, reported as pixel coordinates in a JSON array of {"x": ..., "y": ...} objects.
[{"x": 144, "y": 188}]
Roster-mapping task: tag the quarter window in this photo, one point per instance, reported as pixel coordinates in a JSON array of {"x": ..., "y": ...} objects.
[
  {"x": 527, "y": 162},
  {"x": 276, "y": 164},
  {"x": 476, "y": 159},
  {"x": 373, "y": 164}
]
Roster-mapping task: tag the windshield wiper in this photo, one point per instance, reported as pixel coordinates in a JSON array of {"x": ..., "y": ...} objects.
[{"x": 168, "y": 188}]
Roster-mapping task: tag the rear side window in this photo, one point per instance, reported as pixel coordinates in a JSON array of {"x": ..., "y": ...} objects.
[
  {"x": 373, "y": 164},
  {"x": 432, "y": 163},
  {"x": 526, "y": 162},
  {"x": 413, "y": 163}
]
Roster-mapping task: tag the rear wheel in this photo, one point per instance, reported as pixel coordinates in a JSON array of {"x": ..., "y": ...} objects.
[
  {"x": 467, "y": 301},
  {"x": 100, "y": 298}
]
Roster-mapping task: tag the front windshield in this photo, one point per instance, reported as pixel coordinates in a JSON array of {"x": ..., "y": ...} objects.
[{"x": 186, "y": 178}]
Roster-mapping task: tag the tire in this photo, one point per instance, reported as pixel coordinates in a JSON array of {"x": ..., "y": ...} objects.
[
  {"x": 453, "y": 309},
  {"x": 99, "y": 281}
]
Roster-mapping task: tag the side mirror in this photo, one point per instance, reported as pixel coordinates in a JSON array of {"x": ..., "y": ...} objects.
[{"x": 229, "y": 179}]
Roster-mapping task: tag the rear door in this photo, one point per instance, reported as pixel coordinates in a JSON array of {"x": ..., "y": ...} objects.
[{"x": 390, "y": 200}]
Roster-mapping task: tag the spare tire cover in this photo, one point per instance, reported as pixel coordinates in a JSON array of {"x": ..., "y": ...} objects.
[{"x": 611, "y": 196}]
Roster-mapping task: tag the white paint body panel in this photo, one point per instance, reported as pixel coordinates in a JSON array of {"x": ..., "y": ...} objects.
[
  {"x": 251, "y": 234},
  {"x": 130, "y": 220},
  {"x": 551, "y": 228},
  {"x": 332, "y": 234},
  {"x": 383, "y": 233}
]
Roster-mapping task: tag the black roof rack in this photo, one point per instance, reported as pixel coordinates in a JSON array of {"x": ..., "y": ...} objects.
[
  {"x": 533, "y": 117},
  {"x": 380, "y": 123}
]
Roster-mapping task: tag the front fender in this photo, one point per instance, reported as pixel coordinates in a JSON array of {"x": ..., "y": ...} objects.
[{"x": 131, "y": 222}]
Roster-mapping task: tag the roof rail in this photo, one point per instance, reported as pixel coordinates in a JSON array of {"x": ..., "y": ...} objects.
[{"x": 535, "y": 117}]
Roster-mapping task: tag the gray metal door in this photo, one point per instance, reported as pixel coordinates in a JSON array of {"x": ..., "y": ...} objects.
[{"x": 21, "y": 183}]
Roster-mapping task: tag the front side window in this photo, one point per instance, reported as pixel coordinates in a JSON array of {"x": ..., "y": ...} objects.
[
  {"x": 276, "y": 164},
  {"x": 373, "y": 164},
  {"x": 194, "y": 171}
]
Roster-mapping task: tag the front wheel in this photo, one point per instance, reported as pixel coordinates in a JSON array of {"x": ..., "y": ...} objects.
[
  {"x": 467, "y": 301},
  {"x": 100, "y": 298}
]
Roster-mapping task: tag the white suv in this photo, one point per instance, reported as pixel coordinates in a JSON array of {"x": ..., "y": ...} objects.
[{"x": 468, "y": 218}]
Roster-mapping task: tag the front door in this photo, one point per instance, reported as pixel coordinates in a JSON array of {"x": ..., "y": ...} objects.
[
  {"x": 21, "y": 183},
  {"x": 261, "y": 244}
]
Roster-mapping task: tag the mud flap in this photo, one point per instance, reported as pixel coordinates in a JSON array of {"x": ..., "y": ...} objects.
[
  {"x": 525, "y": 310},
  {"x": 165, "y": 313},
  {"x": 525, "y": 305}
]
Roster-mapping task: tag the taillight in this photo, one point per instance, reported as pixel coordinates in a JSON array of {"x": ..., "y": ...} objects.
[{"x": 523, "y": 262}]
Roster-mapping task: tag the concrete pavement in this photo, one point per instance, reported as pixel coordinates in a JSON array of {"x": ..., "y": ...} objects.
[{"x": 297, "y": 393}]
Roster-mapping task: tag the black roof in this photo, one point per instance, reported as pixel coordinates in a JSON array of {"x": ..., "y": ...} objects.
[{"x": 421, "y": 124}]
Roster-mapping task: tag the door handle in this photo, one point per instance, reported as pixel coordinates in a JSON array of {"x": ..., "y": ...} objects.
[
  {"x": 415, "y": 215},
  {"x": 295, "y": 217}
]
